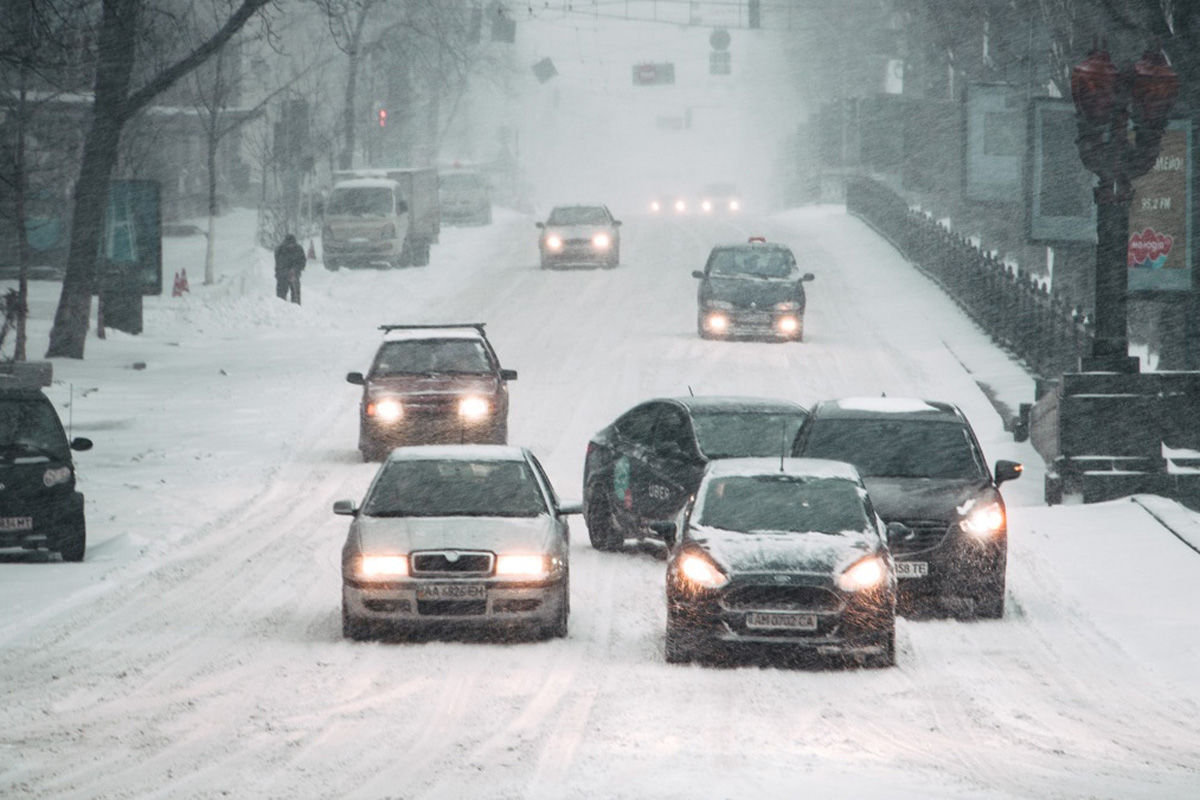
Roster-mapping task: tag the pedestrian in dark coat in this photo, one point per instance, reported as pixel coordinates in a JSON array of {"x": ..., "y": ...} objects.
[{"x": 289, "y": 263}]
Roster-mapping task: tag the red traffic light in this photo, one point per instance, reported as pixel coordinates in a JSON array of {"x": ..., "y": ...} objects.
[{"x": 383, "y": 117}]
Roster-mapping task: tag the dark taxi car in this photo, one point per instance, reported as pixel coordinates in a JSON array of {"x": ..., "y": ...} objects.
[
  {"x": 923, "y": 467},
  {"x": 453, "y": 537},
  {"x": 580, "y": 235},
  {"x": 643, "y": 466},
  {"x": 40, "y": 508},
  {"x": 432, "y": 384},
  {"x": 780, "y": 553},
  {"x": 753, "y": 289}
]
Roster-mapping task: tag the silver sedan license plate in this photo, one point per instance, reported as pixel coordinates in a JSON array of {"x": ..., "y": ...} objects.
[
  {"x": 774, "y": 620},
  {"x": 16, "y": 523},
  {"x": 452, "y": 591},
  {"x": 911, "y": 569}
]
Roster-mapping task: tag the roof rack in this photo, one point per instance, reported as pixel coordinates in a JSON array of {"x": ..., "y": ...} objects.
[{"x": 476, "y": 325}]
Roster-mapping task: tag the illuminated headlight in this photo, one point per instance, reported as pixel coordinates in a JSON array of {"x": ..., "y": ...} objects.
[
  {"x": 787, "y": 306},
  {"x": 554, "y": 242},
  {"x": 601, "y": 241},
  {"x": 386, "y": 409},
  {"x": 870, "y": 573},
  {"x": 706, "y": 205},
  {"x": 984, "y": 521},
  {"x": 53, "y": 477},
  {"x": 716, "y": 321},
  {"x": 788, "y": 324},
  {"x": 473, "y": 409},
  {"x": 656, "y": 206},
  {"x": 522, "y": 566},
  {"x": 699, "y": 571},
  {"x": 680, "y": 206},
  {"x": 381, "y": 568},
  {"x": 734, "y": 205}
]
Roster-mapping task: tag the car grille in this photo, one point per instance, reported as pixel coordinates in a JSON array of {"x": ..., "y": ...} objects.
[
  {"x": 782, "y": 598},
  {"x": 925, "y": 534},
  {"x": 451, "y": 562}
]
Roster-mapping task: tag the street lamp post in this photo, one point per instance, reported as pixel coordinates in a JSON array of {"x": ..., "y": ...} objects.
[{"x": 1106, "y": 99}]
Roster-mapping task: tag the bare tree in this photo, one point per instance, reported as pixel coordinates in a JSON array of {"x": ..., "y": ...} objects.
[{"x": 115, "y": 102}]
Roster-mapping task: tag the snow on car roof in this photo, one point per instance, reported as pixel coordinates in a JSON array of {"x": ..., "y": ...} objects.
[
  {"x": 801, "y": 467},
  {"x": 890, "y": 405},
  {"x": 458, "y": 452},
  {"x": 432, "y": 332},
  {"x": 360, "y": 183},
  {"x": 737, "y": 403}
]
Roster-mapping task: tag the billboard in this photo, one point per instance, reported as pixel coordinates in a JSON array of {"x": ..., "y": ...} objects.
[
  {"x": 1160, "y": 236},
  {"x": 131, "y": 247},
  {"x": 994, "y": 143},
  {"x": 1060, "y": 205}
]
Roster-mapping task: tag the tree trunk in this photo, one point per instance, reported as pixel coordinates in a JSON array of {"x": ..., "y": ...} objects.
[
  {"x": 116, "y": 52},
  {"x": 213, "y": 143},
  {"x": 346, "y": 159},
  {"x": 21, "y": 182}
]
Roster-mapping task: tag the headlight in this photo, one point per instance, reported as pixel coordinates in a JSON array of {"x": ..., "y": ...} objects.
[
  {"x": 382, "y": 567},
  {"x": 706, "y": 205},
  {"x": 734, "y": 205},
  {"x": 656, "y": 206},
  {"x": 716, "y": 321},
  {"x": 680, "y": 206},
  {"x": 789, "y": 305},
  {"x": 53, "y": 477},
  {"x": 387, "y": 409},
  {"x": 870, "y": 573},
  {"x": 984, "y": 521},
  {"x": 788, "y": 324},
  {"x": 554, "y": 242},
  {"x": 522, "y": 566},
  {"x": 473, "y": 408},
  {"x": 601, "y": 241},
  {"x": 701, "y": 572}
]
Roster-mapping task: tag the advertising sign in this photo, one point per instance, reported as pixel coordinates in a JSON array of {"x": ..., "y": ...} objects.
[
  {"x": 1061, "y": 206},
  {"x": 1160, "y": 241},
  {"x": 131, "y": 250},
  {"x": 994, "y": 147}
]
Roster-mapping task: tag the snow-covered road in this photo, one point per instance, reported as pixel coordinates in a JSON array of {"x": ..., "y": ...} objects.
[{"x": 197, "y": 651}]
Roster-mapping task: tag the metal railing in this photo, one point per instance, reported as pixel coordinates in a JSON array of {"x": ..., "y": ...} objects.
[{"x": 1017, "y": 311}]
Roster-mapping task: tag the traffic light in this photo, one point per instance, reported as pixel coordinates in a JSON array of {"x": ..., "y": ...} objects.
[{"x": 383, "y": 117}]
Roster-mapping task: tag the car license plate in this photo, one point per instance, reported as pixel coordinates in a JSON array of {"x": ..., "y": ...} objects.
[
  {"x": 452, "y": 591},
  {"x": 16, "y": 523},
  {"x": 911, "y": 569},
  {"x": 773, "y": 620}
]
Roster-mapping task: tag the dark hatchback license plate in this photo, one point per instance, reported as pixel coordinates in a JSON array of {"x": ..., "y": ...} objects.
[
  {"x": 452, "y": 591},
  {"x": 16, "y": 523},
  {"x": 774, "y": 620}
]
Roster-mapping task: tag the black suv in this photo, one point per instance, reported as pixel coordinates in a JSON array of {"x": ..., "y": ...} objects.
[
  {"x": 39, "y": 507},
  {"x": 432, "y": 384},
  {"x": 752, "y": 289},
  {"x": 923, "y": 467}
]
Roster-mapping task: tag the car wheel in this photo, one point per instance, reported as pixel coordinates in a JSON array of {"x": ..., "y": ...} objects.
[
  {"x": 353, "y": 627},
  {"x": 72, "y": 547},
  {"x": 989, "y": 604},
  {"x": 558, "y": 628},
  {"x": 602, "y": 528},
  {"x": 799, "y": 335},
  {"x": 700, "y": 329},
  {"x": 682, "y": 644}
]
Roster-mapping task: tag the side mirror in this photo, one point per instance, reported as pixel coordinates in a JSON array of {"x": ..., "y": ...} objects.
[
  {"x": 666, "y": 530},
  {"x": 539, "y": 225},
  {"x": 356, "y": 378},
  {"x": 808, "y": 276},
  {"x": 81, "y": 443},
  {"x": 345, "y": 508},
  {"x": 897, "y": 531},
  {"x": 401, "y": 207},
  {"x": 697, "y": 273},
  {"x": 616, "y": 223},
  {"x": 508, "y": 374},
  {"x": 570, "y": 508},
  {"x": 1007, "y": 471}
]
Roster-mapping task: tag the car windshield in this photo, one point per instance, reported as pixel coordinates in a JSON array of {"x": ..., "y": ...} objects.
[
  {"x": 455, "y": 488},
  {"x": 427, "y": 356},
  {"x": 752, "y": 263},
  {"x": 781, "y": 502},
  {"x": 578, "y": 215},
  {"x": 30, "y": 428},
  {"x": 731, "y": 434},
  {"x": 361, "y": 201},
  {"x": 897, "y": 448},
  {"x": 461, "y": 183}
]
